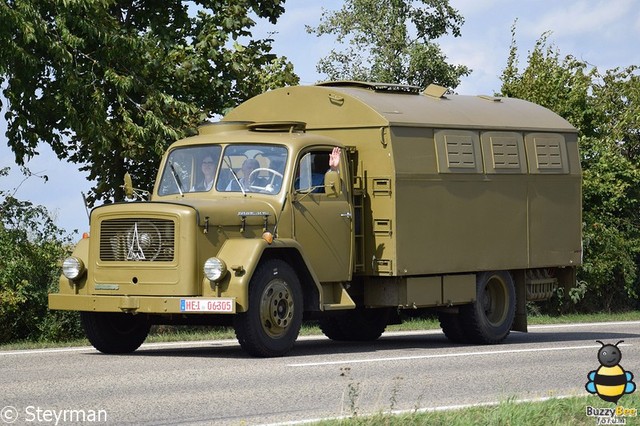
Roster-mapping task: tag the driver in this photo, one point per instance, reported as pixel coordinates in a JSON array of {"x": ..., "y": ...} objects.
[{"x": 249, "y": 165}]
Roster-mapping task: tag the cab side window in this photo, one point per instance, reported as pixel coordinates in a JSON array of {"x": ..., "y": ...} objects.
[{"x": 310, "y": 171}]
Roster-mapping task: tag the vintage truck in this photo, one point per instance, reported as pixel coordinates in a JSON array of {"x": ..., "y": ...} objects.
[{"x": 468, "y": 206}]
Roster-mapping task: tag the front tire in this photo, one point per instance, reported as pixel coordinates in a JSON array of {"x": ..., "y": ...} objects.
[
  {"x": 489, "y": 319},
  {"x": 270, "y": 326},
  {"x": 115, "y": 332}
]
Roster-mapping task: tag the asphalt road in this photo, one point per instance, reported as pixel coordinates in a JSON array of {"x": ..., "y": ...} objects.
[{"x": 216, "y": 383}]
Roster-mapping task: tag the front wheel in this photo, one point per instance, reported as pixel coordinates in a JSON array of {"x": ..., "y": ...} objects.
[
  {"x": 115, "y": 332},
  {"x": 271, "y": 325},
  {"x": 489, "y": 319}
]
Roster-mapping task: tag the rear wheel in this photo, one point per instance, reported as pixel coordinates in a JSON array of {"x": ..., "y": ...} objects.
[
  {"x": 115, "y": 332},
  {"x": 489, "y": 319},
  {"x": 452, "y": 327},
  {"x": 271, "y": 325},
  {"x": 356, "y": 325},
  {"x": 330, "y": 327}
]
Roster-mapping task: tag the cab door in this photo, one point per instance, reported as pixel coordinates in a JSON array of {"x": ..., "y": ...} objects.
[{"x": 323, "y": 222}]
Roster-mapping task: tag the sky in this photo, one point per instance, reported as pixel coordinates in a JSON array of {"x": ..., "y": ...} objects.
[{"x": 603, "y": 33}]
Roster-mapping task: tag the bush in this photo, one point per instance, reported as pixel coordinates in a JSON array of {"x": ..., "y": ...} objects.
[{"x": 31, "y": 249}]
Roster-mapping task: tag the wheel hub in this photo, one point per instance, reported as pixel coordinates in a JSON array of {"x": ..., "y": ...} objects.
[
  {"x": 494, "y": 302},
  {"x": 276, "y": 308}
]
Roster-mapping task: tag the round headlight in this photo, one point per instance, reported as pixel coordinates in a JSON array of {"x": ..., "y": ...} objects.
[
  {"x": 72, "y": 267},
  {"x": 214, "y": 268}
]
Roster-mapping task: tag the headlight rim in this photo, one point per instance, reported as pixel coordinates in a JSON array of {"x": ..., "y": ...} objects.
[
  {"x": 76, "y": 270},
  {"x": 214, "y": 269}
]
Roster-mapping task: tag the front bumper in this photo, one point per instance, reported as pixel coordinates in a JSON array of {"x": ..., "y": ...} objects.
[{"x": 143, "y": 304}]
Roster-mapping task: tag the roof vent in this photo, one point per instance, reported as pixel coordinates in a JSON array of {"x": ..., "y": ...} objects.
[
  {"x": 208, "y": 128},
  {"x": 435, "y": 91},
  {"x": 490, "y": 98},
  {"x": 278, "y": 126},
  {"x": 377, "y": 87}
]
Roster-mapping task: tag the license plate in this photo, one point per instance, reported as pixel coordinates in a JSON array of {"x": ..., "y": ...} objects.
[{"x": 227, "y": 306}]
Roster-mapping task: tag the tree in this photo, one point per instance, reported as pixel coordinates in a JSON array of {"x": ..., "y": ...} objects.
[
  {"x": 31, "y": 248},
  {"x": 391, "y": 41},
  {"x": 611, "y": 185},
  {"x": 606, "y": 112},
  {"x": 109, "y": 84},
  {"x": 560, "y": 84}
]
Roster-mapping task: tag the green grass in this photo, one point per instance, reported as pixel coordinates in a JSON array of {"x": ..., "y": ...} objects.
[
  {"x": 175, "y": 334},
  {"x": 554, "y": 411}
]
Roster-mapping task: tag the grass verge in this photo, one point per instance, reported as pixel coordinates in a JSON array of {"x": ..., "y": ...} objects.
[{"x": 553, "y": 411}]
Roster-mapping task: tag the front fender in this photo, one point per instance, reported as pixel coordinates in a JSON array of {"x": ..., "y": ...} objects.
[{"x": 242, "y": 257}]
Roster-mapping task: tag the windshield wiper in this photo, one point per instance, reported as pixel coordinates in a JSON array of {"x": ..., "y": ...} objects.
[
  {"x": 176, "y": 178},
  {"x": 235, "y": 176}
]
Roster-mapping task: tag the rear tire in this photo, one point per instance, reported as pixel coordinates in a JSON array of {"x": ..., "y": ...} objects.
[
  {"x": 270, "y": 326},
  {"x": 358, "y": 325},
  {"x": 115, "y": 332},
  {"x": 489, "y": 319},
  {"x": 330, "y": 327},
  {"x": 452, "y": 327}
]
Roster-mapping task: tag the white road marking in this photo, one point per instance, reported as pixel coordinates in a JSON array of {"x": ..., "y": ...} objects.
[
  {"x": 584, "y": 324},
  {"x": 447, "y": 355},
  {"x": 216, "y": 343},
  {"x": 46, "y": 351}
]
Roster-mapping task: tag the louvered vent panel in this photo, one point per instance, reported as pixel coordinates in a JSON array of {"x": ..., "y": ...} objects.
[
  {"x": 460, "y": 152},
  {"x": 548, "y": 154},
  {"x": 505, "y": 153}
]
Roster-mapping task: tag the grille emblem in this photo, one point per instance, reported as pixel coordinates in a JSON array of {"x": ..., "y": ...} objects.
[{"x": 135, "y": 251}]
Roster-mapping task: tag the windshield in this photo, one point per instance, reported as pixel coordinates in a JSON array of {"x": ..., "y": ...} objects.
[
  {"x": 243, "y": 168},
  {"x": 252, "y": 168},
  {"x": 190, "y": 169}
]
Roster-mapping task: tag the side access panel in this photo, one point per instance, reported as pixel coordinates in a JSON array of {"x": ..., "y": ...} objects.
[{"x": 420, "y": 292}]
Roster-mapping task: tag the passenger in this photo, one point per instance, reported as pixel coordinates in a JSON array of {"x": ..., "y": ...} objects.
[
  {"x": 319, "y": 169},
  {"x": 208, "y": 168},
  {"x": 334, "y": 159}
]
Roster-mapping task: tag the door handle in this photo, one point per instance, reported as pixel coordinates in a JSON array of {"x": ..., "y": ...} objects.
[{"x": 347, "y": 214}]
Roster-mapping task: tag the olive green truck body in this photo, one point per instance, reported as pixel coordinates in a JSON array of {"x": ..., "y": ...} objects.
[{"x": 466, "y": 205}]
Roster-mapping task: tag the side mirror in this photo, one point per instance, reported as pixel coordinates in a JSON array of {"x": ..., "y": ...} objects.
[
  {"x": 131, "y": 193},
  {"x": 128, "y": 186},
  {"x": 332, "y": 183}
]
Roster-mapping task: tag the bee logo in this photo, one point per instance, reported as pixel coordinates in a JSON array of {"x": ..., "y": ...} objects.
[{"x": 610, "y": 381}]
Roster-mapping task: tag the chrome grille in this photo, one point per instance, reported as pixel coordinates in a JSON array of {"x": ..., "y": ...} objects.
[{"x": 141, "y": 240}]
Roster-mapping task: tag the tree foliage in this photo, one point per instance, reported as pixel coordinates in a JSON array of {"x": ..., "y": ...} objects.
[
  {"x": 31, "y": 248},
  {"x": 605, "y": 108},
  {"x": 391, "y": 41},
  {"x": 110, "y": 83}
]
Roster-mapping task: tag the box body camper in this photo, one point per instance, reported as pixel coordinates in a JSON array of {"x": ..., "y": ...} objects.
[{"x": 346, "y": 203}]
